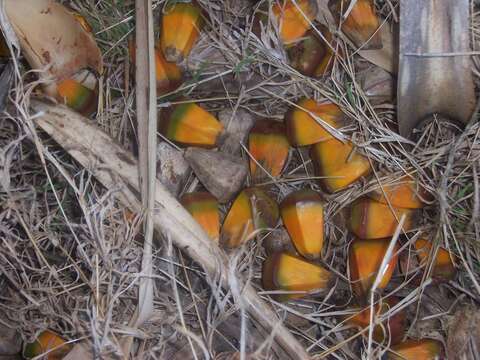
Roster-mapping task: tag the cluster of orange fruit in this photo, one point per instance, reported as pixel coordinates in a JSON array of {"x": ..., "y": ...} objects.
[{"x": 373, "y": 218}]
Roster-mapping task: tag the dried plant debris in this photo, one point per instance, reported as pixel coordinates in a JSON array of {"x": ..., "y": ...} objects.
[{"x": 71, "y": 253}]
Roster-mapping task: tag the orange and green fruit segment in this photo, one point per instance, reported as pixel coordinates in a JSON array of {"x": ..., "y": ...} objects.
[
  {"x": 291, "y": 22},
  {"x": 403, "y": 193},
  {"x": 181, "y": 26},
  {"x": 443, "y": 266},
  {"x": 168, "y": 74},
  {"x": 302, "y": 215},
  {"x": 425, "y": 349},
  {"x": 338, "y": 163},
  {"x": 311, "y": 56},
  {"x": 189, "y": 124},
  {"x": 269, "y": 147},
  {"x": 252, "y": 210},
  {"x": 77, "y": 96},
  {"x": 364, "y": 260},
  {"x": 303, "y": 129},
  {"x": 392, "y": 328},
  {"x": 370, "y": 219},
  {"x": 362, "y": 23},
  {"x": 326, "y": 63},
  {"x": 306, "y": 55},
  {"x": 283, "y": 271},
  {"x": 46, "y": 342},
  {"x": 204, "y": 209}
]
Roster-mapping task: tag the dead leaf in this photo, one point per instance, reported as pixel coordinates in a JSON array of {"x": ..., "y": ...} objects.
[
  {"x": 463, "y": 339},
  {"x": 387, "y": 56},
  {"x": 10, "y": 341}
]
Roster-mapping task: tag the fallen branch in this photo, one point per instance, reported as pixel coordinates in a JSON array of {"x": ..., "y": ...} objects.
[{"x": 115, "y": 168}]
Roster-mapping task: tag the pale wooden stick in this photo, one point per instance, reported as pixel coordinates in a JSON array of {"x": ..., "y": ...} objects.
[
  {"x": 146, "y": 95},
  {"x": 116, "y": 168}
]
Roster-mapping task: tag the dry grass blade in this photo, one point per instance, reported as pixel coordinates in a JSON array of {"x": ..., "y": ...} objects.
[{"x": 116, "y": 169}]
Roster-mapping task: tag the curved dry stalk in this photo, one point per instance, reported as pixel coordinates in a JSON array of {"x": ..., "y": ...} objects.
[{"x": 116, "y": 168}]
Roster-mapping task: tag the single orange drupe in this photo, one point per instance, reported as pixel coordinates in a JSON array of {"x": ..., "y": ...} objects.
[
  {"x": 269, "y": 147},
  {"x": 294, "y": 18},
  {"x": 168, "y": 74},
  {"x": 252, "y": 210},
  {"x": 303, "y": 129},
  {"x": 425, "y": 349},
  {"x": 47, "y": 342},
  {"x": 403, "y": 193},
  {"x": 361, "y": 25},
  {"x": 370, "y": 219},
  {"x": 443, "y": 267},
  {"x": 338, "y": 163},
  {"x": 77, "y": 96},
  {"x": 283, "y": 271},
  {"x": 203, "y": 207},
  {"x": 190, "y": 124},
  {"x": 365, "y": 258},
  {"x": 181, "y": 26},
  {"x": 302, "y": 215},
  {"x": 312, "y": 56},
  {"x": 393, "y": 328}
]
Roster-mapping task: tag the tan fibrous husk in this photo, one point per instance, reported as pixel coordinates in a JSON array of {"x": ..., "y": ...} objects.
[{"x": 52, "y": 39}]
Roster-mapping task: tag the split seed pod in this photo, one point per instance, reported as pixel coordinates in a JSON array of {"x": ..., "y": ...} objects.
[
  {"x": 190, "y": 124},
  {"x": 361, "y": 25},
  {"x": 269, "y": 147},
  {"x": 393, "y": 327},
  {"x": 364, "y": 259},
  {"x": 370, "y": 219},
  {"x": 302, "y": 215},
  {"x": 46, "y": 342},
  {"x": 292, "y": 23},
  {"x": 252, "y": 210},
  {"x": 168, "y": 75},
  {"x": 339, "y": 163},
  {"x": 425, "y": 349},
  {"x": 53, "y": 39},
  {"x": 204, "y": 209},
  {"x": 311, "y": 56},
  {"x": 443, "y": 267},
  {"x": 283, "y": 271},
  {"x": 303, "y": 129},
  {"x": 181, "y": 26}
]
